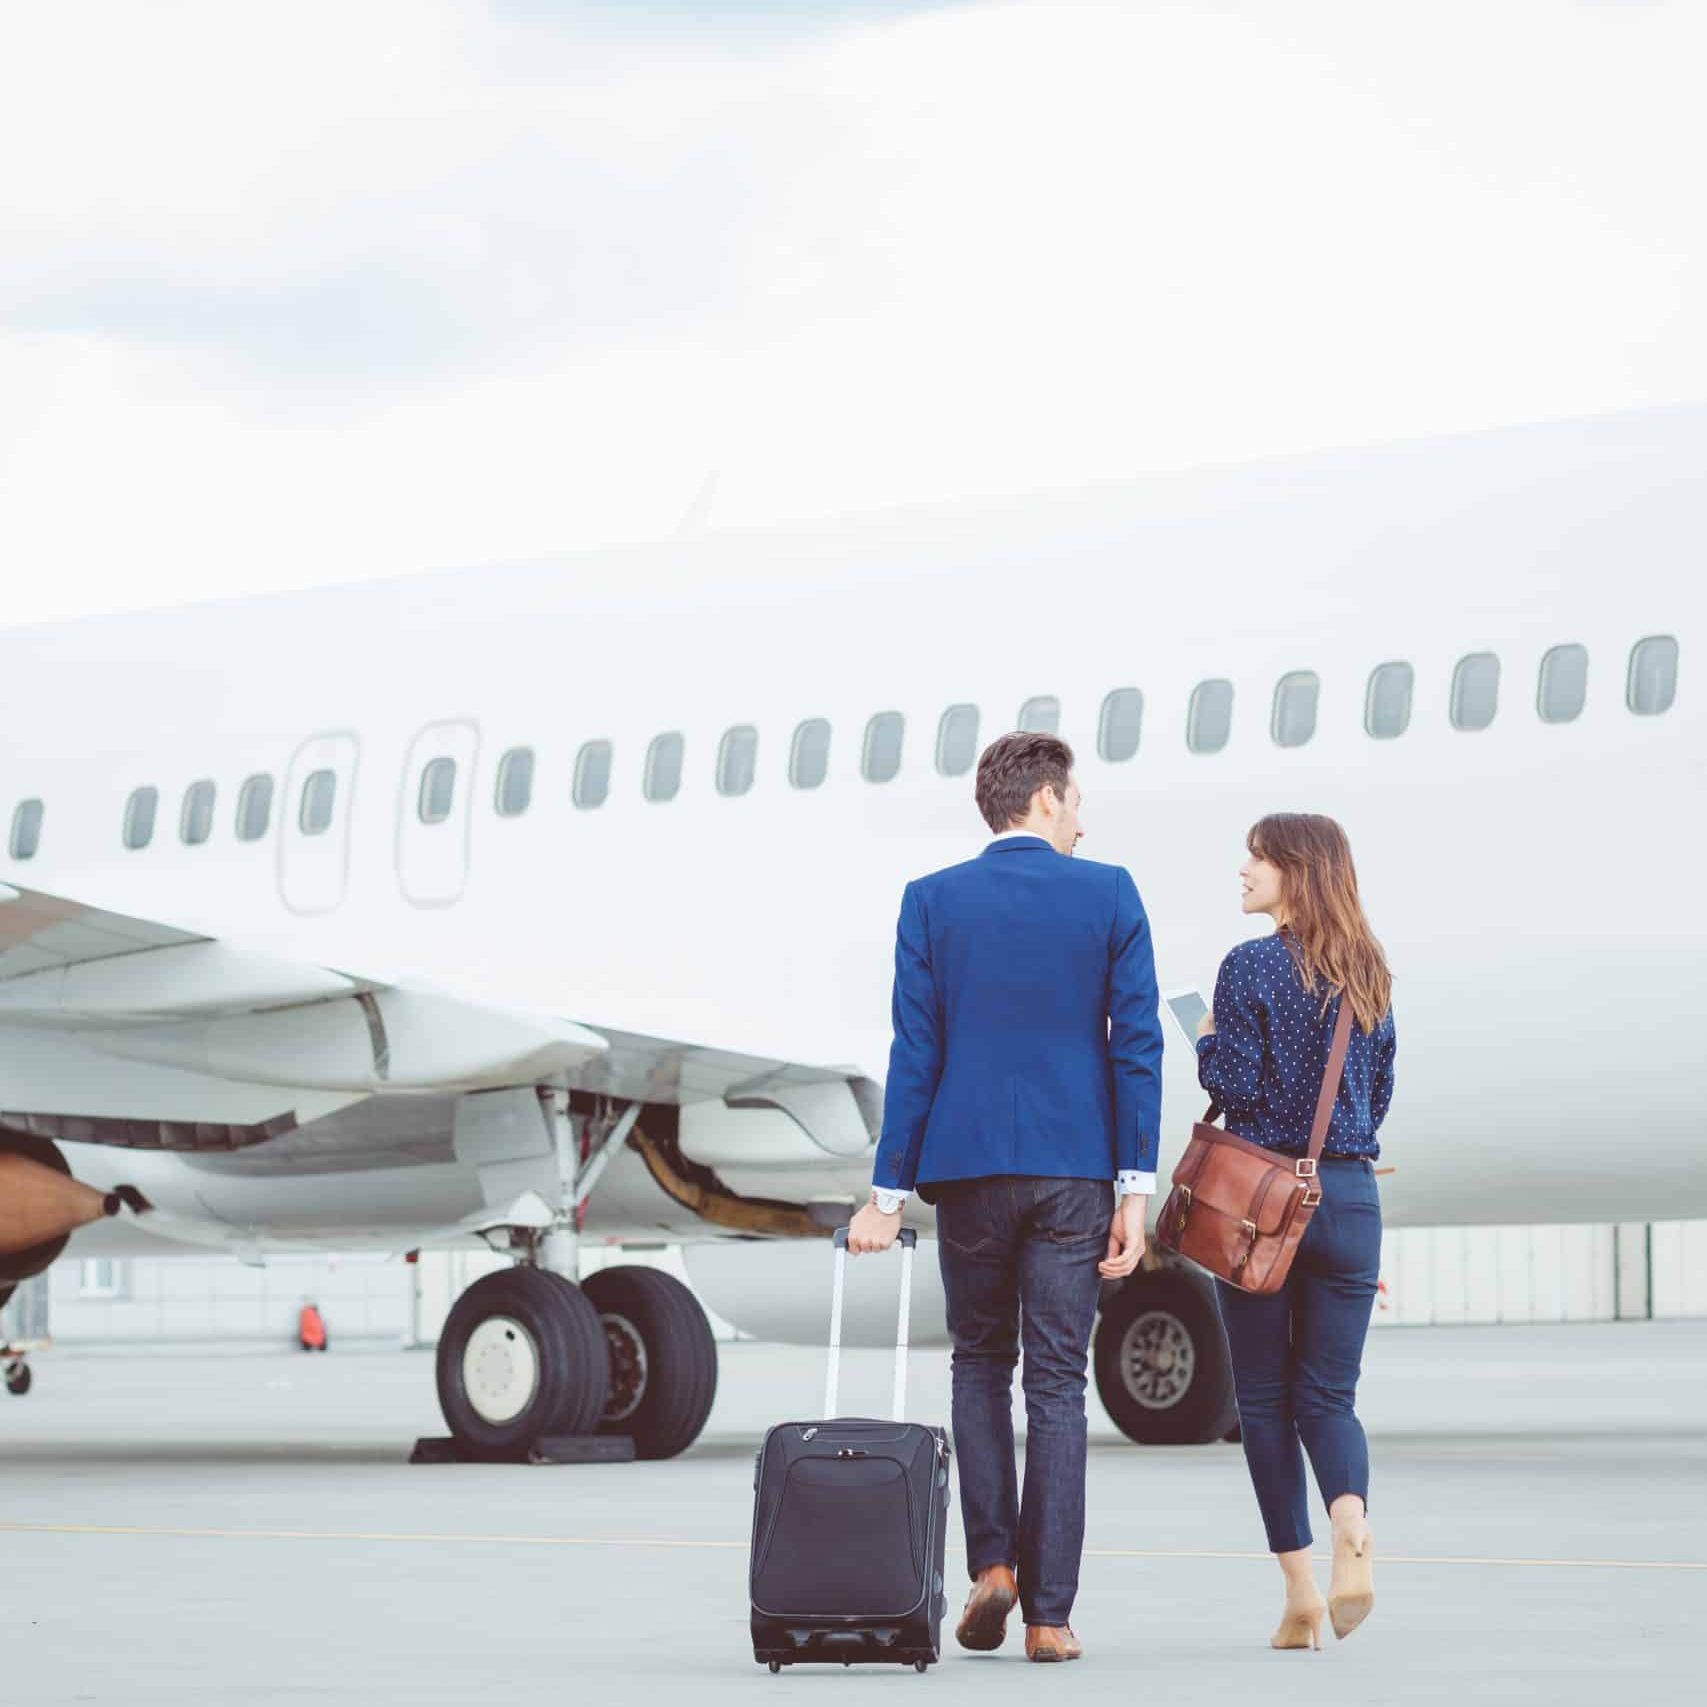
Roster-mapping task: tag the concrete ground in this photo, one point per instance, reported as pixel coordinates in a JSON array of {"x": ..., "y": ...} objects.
[{"x": 191, "y": 1526}]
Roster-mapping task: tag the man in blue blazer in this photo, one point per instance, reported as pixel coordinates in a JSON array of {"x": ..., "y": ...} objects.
[{"x": 1023, "y": 1100}]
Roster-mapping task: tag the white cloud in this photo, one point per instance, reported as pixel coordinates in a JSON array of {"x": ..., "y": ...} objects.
[{"x": 337, "y": 291}]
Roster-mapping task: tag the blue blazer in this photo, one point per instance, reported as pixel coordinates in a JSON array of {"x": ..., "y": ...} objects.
[{"x": 1026, "y": 1033}]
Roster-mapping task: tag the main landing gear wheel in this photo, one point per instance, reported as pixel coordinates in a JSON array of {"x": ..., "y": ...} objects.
[
  {"x": 1161, "y": 1361},
  {"x": 663, "y": 1360},
  {"x": 522, "y": 1355}
]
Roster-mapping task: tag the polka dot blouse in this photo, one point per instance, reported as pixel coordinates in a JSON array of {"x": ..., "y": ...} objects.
[{"x": 1264, "y": 1063}]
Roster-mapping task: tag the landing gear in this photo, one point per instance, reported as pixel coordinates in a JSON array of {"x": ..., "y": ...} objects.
[
  {"x": 522, "y": 1355},
  {"x": 528, "y": 1353},
  {"x": 13, "y": 1369},
  {"x": 1161, "y": 1361},
  {"x": 663, "y": 1360}
]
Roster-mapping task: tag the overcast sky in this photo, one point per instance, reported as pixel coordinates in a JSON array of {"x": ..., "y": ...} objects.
[{"x": 329, "y": 291}]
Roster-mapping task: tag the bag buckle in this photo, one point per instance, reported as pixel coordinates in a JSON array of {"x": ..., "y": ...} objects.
[
  {"x": 1312, "y": 1195},
  {"x": 1305, "y": 1167},
  {"x": 1250, "y": 1230}
]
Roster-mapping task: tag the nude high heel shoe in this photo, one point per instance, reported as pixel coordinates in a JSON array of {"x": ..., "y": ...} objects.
[
  {"x": 1300, "y": 1624},
  {"x": 1351, "y": 1591}
]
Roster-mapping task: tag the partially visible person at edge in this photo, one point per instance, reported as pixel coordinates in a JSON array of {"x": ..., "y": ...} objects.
[
  {"x": 1023, "y": 1100},
  {"x": 1261, "y": 1053}
]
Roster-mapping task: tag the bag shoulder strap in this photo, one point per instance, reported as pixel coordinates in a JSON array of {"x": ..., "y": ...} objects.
[{"x": 1331, "y": 1080}]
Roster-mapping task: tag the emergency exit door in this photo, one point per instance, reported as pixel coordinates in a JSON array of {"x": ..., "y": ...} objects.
[{"x": 435, "y": 813}]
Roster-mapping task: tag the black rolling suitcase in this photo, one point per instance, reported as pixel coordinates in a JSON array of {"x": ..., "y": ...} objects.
[{"x": 849, "y": 1521}]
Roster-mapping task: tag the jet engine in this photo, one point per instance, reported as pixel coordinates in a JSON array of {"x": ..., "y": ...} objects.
[{"x": 41, "y": 1205}]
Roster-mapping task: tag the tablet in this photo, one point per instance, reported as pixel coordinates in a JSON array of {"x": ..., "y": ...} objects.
[{"x": 1188, "y": 1008}]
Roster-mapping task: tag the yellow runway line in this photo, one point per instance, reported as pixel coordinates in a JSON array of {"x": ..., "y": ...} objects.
[
  {"x": 174, "y": 1533},
  {"x": 166, "y": 1532},
  {"x": 1421, "y": 1559}
]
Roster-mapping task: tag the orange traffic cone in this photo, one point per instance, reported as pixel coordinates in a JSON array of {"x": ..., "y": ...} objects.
[{"x": 311, "y": 1328}]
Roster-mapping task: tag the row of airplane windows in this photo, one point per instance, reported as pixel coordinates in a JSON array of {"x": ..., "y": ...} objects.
[{"x": 1561, "y": 694}]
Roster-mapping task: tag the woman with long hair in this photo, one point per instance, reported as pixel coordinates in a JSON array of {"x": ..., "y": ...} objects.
[{"x": 1261, "y": 1054}]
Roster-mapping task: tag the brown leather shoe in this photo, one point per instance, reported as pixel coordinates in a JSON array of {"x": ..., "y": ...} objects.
[
  {"x": 1049, "y": 1644},
  {"x": 983, "y": 1625}
]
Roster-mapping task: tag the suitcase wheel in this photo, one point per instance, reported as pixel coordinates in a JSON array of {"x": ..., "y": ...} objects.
[
  {"x": 776, "y": 1666},
  {"x": 920, "y": 1665}
]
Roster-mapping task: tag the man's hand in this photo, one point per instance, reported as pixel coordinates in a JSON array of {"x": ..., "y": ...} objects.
[
  {"x": 872, "y": 1230},
  {"x": 1125, "y": 1237},
  {"x": 1206, "y": 1025}
]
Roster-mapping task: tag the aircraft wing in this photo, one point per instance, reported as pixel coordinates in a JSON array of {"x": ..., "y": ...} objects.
[{"x": 120, "y": 1030}]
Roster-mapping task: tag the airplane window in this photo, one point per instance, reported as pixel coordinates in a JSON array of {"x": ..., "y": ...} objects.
[
  {"x": 809, "y": 753},
  {"x": 26, "y": 829},
  {"x": 881, "y": 759},
  {"x": 438, "y": 790},
  {"x": 1209, "y": 720},
  {"x": 255, "y": 807},
  {"x": 1119, "y": 725},
  {"x": 1293, "y": 720},
  {"x": 737, "y": 756},
  {"x": 195, "y": 819},
  {"x": 592, "y": 774},
  {"x": 1387, "y": 703},
  {"x": 139, "y": 817},
  {"x": 319, "y": 796},
  {"x": 957, "y": 740},
  {"x": 1475, "y": 691},
  {"x": 515, "y": 783},
  {"x": 1041, "y": 716},
  {"x": 1563, "y": 686},
  {"x": 1652, "y": 684},
  {"x": 664, "y": 767}
]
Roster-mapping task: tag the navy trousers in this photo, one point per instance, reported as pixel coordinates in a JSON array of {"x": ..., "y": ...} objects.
[
  {"x": 1019, "y": 1257},
  {"x": 1297, "y": 1356}
]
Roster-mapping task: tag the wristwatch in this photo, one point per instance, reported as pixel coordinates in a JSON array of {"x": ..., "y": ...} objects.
[{"x": 887, "y": 1202}]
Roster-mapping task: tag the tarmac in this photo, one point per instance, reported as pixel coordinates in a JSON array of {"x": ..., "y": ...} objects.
[{"x": 189, "y": 1525}]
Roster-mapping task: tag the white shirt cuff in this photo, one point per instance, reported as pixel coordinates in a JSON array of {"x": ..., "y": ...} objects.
[
  {"x": 888, "y": 1201},
  {"x": 1130, "y": 1180}
]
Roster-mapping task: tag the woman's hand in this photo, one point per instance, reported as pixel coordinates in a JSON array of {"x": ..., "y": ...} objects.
[{"x": 1206, "y": 1025}]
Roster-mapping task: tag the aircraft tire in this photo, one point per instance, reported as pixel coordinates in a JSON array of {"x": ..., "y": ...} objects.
[
  {"x": 522, "y": 1355},
  {"x": 1161, "y": 1362},
  {"x": 663, "y": 1359},
  {"x": 26, "y": 1265}
]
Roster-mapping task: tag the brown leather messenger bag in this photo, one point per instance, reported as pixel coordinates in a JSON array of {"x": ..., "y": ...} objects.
[{"x": 1239, "y": 1210}]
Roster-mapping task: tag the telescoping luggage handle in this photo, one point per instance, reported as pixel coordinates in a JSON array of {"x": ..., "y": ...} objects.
[{"x": 832, "y": 1377}]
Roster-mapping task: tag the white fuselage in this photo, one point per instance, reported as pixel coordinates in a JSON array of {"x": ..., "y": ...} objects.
[{"x": 1529, "y": 881}]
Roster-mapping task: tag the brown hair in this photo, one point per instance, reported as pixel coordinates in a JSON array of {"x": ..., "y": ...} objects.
[
  {"x": 1013, "y": 768},
  {"x": 1326, "y": 932}
]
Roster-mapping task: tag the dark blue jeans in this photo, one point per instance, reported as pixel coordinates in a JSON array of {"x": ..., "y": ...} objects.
[
  {"x": 1019, "y": 1259},
  {"x": 1297, "y": 1356}
]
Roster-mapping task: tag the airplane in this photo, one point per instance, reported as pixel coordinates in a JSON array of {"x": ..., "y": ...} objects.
[{"x": 554, "y": 902}]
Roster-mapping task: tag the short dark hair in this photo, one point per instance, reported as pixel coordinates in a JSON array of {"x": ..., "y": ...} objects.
[{"x": 1013, "y": 768}]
